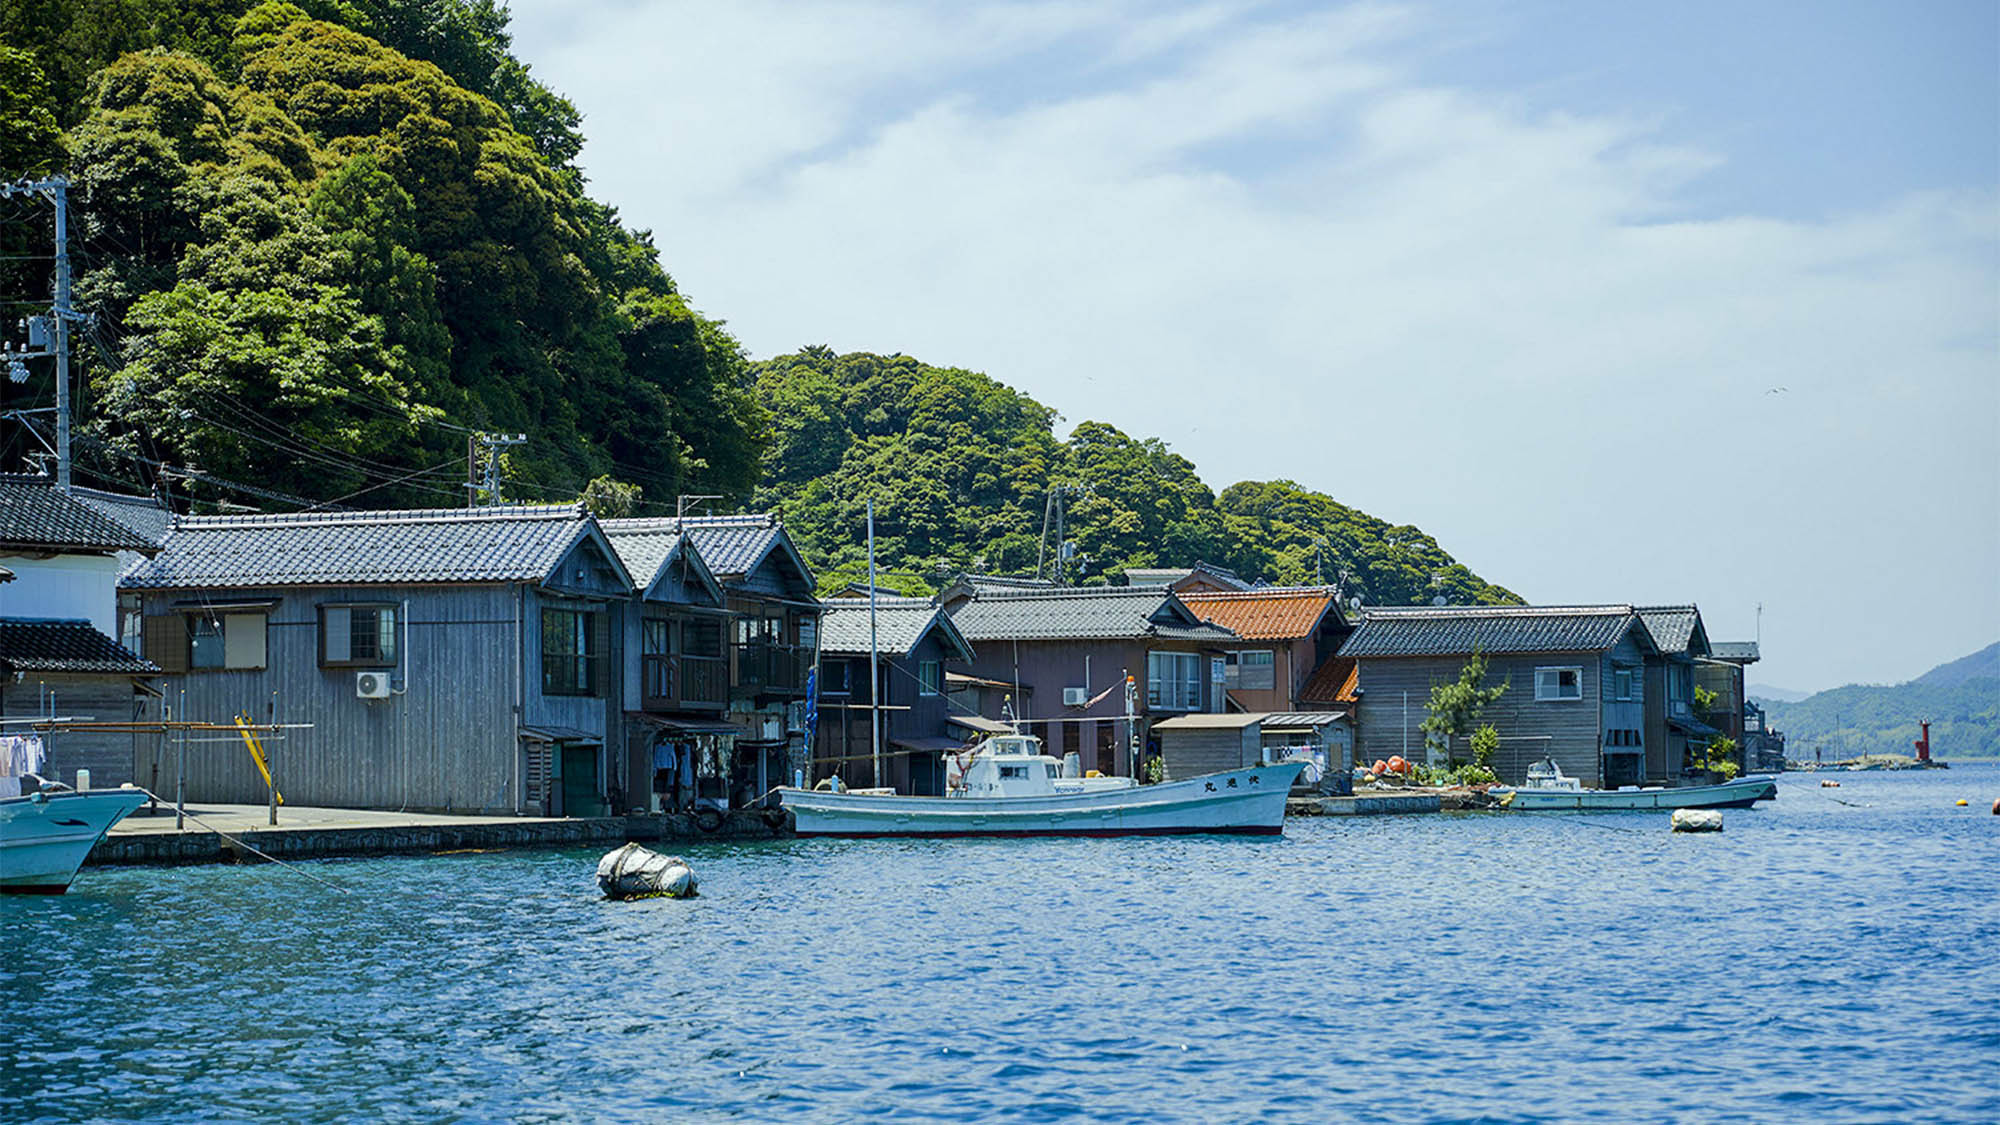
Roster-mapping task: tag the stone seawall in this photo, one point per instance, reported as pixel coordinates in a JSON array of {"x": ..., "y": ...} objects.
[{"x": 168, "y": 848}]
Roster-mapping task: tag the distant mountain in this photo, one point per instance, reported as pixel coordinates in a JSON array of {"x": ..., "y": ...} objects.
[
  {"x": 1765, "y": 693},
  {"x": 1985, "y": 662},
  {"x": 1960, "y": 699}
]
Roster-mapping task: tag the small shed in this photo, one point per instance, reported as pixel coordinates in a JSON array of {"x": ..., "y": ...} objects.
[{"x": 1192, "y": 745}]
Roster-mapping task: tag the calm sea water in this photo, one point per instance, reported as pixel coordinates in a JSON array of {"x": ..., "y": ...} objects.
[{"x": 1830, "y": 957}]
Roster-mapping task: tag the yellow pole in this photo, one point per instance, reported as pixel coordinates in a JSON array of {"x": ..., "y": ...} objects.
[{"x": 257, "y": 754}]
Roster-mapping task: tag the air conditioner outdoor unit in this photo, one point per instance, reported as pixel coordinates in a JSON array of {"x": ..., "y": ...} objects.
[
  {"x": 1075, "y": 696},
  {"x": 371, "y": 685}
]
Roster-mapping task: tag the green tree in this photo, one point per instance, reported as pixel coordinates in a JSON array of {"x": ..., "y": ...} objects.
[
  {"x": 1454, "y": 707},
  {"x": 608, "y": 498}
]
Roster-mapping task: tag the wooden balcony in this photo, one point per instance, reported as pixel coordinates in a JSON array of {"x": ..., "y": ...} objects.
[
  {"x": 674, "y": 683},
  {"x": 763, "y": 668}
]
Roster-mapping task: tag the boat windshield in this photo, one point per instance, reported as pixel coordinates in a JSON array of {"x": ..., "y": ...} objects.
[{"x": 1021, "y": 744}]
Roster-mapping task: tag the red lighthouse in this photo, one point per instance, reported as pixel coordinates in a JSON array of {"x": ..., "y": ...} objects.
[{"x": 1923, "y": 744}]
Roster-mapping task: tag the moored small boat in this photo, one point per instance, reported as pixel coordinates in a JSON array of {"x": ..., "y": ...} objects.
[
  {"x": 1006, "y": 786},
  {"x": 1549, "y": 789},
  {"x": 44, "y": 837}
]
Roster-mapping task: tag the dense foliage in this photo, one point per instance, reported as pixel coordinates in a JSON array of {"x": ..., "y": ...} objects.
[
  {"x": 319, "y": 260},
  {"x": 962, "y": 469},
  {"x": 325, "y": 241}
]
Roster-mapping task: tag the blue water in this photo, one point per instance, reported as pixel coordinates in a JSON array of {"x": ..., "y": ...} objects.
[{"x": 1829, "y": 957}]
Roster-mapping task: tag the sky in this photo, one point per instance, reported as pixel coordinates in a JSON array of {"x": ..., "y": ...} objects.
[{"x": 1621, "y": 303}]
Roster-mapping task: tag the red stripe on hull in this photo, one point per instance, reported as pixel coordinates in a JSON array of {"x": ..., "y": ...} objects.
[
  {"x": 33, "y": 888},
  {"x": 1258, "y": 830}
]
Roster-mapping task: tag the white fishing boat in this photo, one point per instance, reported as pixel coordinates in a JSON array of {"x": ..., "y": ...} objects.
[
  {"x": 45, "y": 836},
  {"x": 1006, "y": 786},
  {"x": 1548, "y": 788}
]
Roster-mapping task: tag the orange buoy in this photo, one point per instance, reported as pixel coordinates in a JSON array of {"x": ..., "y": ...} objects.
[
  {"x": 1380, "y": 767},
  {"x": 1397, "y": 764},
  {"x": 1996, "y": 806},
  {"x": 1829, "y": 785}
]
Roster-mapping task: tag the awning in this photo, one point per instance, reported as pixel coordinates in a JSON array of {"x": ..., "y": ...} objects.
[
  {"x": 1695, "y": 727},
  {"x": 558, "y": 734},
  {"x": 231, "y": 605},
  {"x": 981, "y": 724},
  {"x": 683, "y": 726},
  {"x": 961, "y": 679},
  {"x": 1300, "y": 722},
  {"x": 932, "y": 744}
]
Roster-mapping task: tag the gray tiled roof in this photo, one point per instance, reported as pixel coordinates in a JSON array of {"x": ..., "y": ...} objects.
[
  {"x": 641, "y": 549},
  {"x": 28, "y": 645},
  {"x": 144, "y": 516},
  {"x": 439, "y": 545},
  {"x": 1095, "y": 613},
  {"x": 1457, "y": 630},
  {"x": 34, "y": 513},
  {"x": 900, "y": 624},
  {"x": 732, "y": 545},
  {"x": 1674, "y": 628}
]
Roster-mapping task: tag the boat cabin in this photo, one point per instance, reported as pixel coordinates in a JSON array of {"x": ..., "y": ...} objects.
[{"x": 1015, "y": 766}]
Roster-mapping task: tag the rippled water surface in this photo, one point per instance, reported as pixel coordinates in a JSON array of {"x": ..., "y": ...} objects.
[{"x": 1831, "y": 957}]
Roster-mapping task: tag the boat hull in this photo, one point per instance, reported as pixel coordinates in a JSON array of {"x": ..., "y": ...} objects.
[
  {"x": 1741, "y": 793},
  {"x": 1238, "y": 802},
  {"x": 44, "y": 839}
]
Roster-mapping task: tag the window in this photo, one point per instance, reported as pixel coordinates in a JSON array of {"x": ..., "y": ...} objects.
[
  {"x": 206, "y": 641},
  {"x": 219, "y": 641},
  {"x": 701, "y": 638},
  {"x": 1558, "y": 683},
  {"x": 1252, "y": 670},
  {"x": 808, "y": 633},
  {"x": 1173, "y": 681},
  {"x": 930, "y": 676},
  {"x": 569, "y": 652},
  {"x": 1621, "y": 683},
  {"x": 657, "y": 639},
  {"x": 357, "y": 634}
]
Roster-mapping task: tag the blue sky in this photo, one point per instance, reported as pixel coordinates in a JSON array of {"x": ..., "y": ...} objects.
[{"x": 1665, "y": 303}]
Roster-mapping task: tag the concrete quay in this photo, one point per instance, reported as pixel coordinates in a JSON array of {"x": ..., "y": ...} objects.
[
  {"x": 221, "y": 833},
  {"x": 1389, "y": 802}
]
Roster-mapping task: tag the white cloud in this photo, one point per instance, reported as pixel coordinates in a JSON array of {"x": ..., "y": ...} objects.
[{"x": 1267, "y": 242}]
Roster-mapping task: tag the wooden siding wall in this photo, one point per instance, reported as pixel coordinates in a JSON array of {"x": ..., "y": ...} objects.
[
  {"x": 111, "y": 757},
  {"x": 446, "y": 743},
  {"x": 1191, "y": 753},
  {"x": 1568, "y": 730},
  {"x": 600, "y": 715}
]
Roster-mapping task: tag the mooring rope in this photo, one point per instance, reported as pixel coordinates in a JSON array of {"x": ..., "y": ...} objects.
[{"x": 253, "y": 850}]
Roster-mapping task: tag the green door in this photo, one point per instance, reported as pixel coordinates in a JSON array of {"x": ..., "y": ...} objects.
[{"x": 579, "y": 782}]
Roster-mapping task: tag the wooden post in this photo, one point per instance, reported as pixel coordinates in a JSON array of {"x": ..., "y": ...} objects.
[{"x": 181, "y": 773}]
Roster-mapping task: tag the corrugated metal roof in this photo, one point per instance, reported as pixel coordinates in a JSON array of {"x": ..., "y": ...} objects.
[
  {"x": 1736, "y": 652},
  {"x": 1093, "y": 613},
  {"x": 437, "y": 545},
  {"x": 900, "y": 625},
  {"x": 1271, "y": 613},
  {"x": 35, "y": 513},
  {"x": 1220, "y": 721},
  {"x": 29, "y": 645},
  {"x": 1674, "y": 628},
  {"x": 1168, "y": 575},
  {"x": 1457, "y": 630}
]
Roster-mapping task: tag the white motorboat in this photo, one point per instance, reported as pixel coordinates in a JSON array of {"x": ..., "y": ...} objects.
[
  {"x": 45, "y": 836},
  {"x": 1006, "y": 786},
  {"x": 1548, "y": 788}
]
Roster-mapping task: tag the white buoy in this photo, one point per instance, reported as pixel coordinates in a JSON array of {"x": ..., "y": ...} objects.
[
  {"x": 635, "y": 872},
  {"x": 1697, "y": 820}
]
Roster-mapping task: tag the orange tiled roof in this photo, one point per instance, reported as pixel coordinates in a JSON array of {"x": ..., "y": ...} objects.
[
  {"x": 1333, "y": 682},
  {"x": 1271, "y": 614}
]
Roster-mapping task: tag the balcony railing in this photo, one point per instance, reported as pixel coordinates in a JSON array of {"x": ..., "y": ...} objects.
[
  {"x": 764, "y": 667},
  {"x": 671, "y": 682}
]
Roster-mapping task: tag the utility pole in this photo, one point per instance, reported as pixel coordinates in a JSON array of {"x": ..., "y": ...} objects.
[
  {"x": 488, "y": 476},
  {"x": 687, "y": 500},
  {"x": 874, "y": 658},
  {"x": 56, "y": 324}
]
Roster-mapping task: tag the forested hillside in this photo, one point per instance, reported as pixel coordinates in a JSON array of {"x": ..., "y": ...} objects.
[
  {"x": 1961, "y": 699},
  {"x": 320, "y": 250},
  {"x": 961, "y": 467},
  {"x": 324, "y": 243}
]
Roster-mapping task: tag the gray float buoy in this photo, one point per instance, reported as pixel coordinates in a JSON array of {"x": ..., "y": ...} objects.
[
  {"x": 635, "y": 872},
  {"x": 1697, "y": 820}
]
